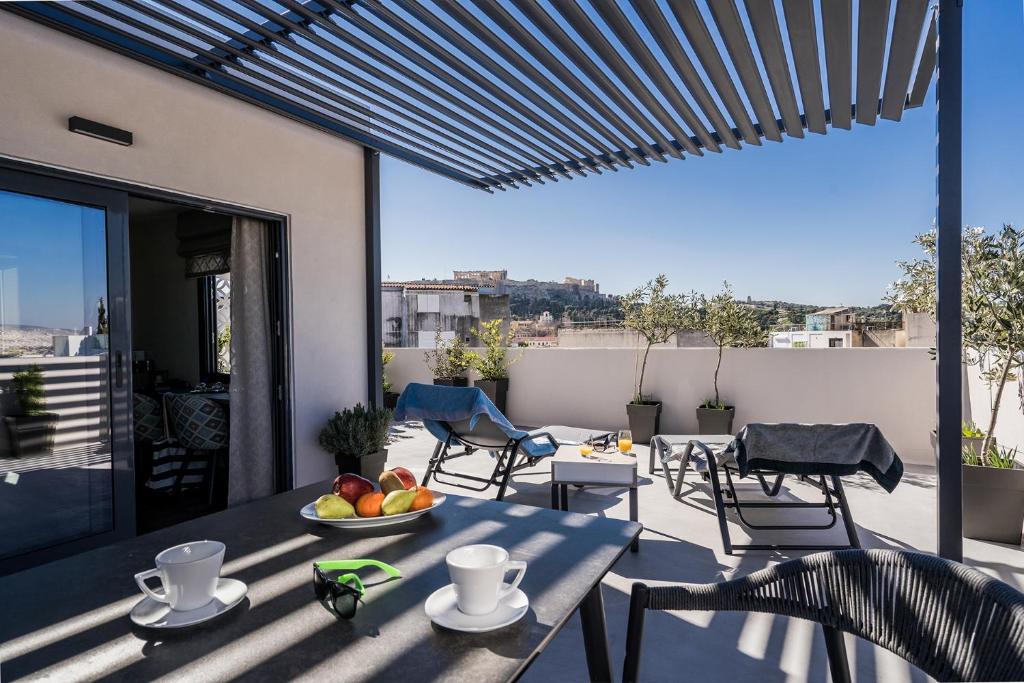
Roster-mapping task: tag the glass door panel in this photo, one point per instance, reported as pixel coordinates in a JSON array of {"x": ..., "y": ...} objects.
[{"x": 57, "y": 445}]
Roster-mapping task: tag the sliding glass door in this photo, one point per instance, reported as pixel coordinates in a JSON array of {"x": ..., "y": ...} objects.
[{"x": 65, "y": 473}]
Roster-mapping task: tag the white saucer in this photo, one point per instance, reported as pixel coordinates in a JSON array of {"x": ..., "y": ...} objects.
[
  {"x": 443, "y": 611},
  {"x": 152, "y": 614}
]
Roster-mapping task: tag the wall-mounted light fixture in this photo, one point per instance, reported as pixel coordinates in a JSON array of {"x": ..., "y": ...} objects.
[{"x": 76, "y": 124}]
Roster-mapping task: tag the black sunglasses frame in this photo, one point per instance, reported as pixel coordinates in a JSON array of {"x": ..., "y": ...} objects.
[{"x": 329, "y": 593}]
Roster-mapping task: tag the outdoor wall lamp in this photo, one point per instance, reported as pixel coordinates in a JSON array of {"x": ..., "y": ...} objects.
[{"x": 101, "y": 131}]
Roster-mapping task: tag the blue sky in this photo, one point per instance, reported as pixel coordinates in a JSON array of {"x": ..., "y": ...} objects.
[{"x": 819, "y": 220}]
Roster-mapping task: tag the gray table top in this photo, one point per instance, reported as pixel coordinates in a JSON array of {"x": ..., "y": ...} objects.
[{"x": 69, "y": 619}]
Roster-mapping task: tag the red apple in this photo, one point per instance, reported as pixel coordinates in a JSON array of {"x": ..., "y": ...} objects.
[
  {"x": 351, "y": 487},
  {"x": 406, "y": 476}
]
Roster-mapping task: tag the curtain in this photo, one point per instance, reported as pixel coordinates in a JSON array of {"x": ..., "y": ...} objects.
[{"x": 251, "y": 451}]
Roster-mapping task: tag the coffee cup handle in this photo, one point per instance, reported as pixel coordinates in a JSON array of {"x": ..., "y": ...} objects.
[
  {"x": 520, "y": 569},
  {"x": 140, "y": 579}
]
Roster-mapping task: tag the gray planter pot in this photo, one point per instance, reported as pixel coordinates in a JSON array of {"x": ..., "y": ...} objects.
[
  {"x": 644, "y": 420},
  {"x": 369, "y": 466},
  {"x": 496, "y": 390},
  {"x": 452, "y": 381},
  {"x": 715, "y": 421},
  {"x": 31, "y": 435},
  {"x": 993, "y": 503},
  {"x": 390, "y": 400}
]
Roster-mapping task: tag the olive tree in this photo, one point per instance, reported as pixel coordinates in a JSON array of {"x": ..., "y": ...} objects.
[
  {"x": 655, "y": 316},
  {"x": 727, "y": 323}
]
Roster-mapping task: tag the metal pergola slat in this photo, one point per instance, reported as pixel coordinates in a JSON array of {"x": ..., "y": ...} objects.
[{"x": 508, "y": 93}]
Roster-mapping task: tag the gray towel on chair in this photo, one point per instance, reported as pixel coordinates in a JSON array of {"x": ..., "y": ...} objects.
[{"x": 818, "y": 449}]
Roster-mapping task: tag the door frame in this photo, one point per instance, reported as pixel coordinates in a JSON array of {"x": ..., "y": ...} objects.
[
  {"x": 122, "y": 466},
  {"x": 280, "y": 311}
]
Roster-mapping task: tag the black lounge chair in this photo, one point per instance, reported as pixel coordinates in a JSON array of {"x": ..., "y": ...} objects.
[{"x": 951, "y": 621}]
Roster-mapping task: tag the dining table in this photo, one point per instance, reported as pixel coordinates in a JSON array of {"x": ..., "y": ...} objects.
[{"x": 69, "y": 620}]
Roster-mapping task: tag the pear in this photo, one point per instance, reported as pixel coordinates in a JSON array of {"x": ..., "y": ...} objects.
[
  {"x": 397, "y": 502},
  {"x": 331, "y": 506}
]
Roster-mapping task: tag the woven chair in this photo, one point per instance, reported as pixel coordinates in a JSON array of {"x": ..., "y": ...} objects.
[
  {"x": 951, "y": 621},
  {"x": 201, "y": 428}
]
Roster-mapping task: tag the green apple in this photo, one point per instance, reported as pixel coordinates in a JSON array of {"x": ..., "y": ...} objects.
[{"x": 331, "y": 506}]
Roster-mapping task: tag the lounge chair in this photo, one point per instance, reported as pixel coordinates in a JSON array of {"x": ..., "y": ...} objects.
[
  {"x": 464, "y": 418},
  {"x": 951, "y": 621},
  {"x": 818, "y": 454}
]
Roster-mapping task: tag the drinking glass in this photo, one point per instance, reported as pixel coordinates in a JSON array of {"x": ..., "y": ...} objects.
[
  {"x": 587, "y": 447},
  {"x": 625, "y": 441}
]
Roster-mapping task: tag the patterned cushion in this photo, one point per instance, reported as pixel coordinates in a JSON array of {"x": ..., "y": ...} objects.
[
  {"x": 147, "y": 417},
  {"x": 199, "y": 422}
]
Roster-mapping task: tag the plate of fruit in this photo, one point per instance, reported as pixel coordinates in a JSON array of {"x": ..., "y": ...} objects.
[{"x": 355, "y": 502}]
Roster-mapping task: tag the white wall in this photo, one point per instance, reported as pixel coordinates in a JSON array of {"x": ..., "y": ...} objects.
[
  {"x": 194, "y": 140},
  {"x": 1009, "y": 429},
  {"x": 894, "y": 388}
]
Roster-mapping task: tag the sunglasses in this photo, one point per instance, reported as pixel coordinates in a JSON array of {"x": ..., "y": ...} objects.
[{"x": 340, "y": 596}]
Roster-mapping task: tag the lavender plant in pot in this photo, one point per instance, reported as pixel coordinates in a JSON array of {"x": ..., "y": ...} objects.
[
  {"x": 358, "y": 437},
  {"x": 655, "y": 316},
  {"x": 728, "y": 324}
]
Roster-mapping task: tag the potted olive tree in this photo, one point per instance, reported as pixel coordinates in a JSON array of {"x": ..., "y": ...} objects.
[
  {"x": 728, "y": 324},
  {"x": 449, "y": 361},
  {"x": 358, "y": 437},
  {"x": 390, "y": 396},
  {"x": 655, "y": 316},
  {"x": 493, "y": 364},
  {"x": 30, "y": 432}
]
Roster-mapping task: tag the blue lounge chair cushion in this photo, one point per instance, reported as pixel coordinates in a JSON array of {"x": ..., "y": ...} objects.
[{"x": 437, "y": 406}]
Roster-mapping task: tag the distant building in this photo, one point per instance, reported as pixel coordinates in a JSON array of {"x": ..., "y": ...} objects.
[
  {"x": 413, "y": 312},
  {"x": 589, "y": 285},
  {"x": 839, "y": 318},
  {"x": 546, "y": 318},
  {"x": 481, "y": 277},
  {"x": 814, "y": 339}
]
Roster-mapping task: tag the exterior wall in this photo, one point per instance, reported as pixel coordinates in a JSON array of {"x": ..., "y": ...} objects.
[
  {"x": 894, "y": 388},
  {"x": 605, "y": 338},
  {"x": 920, "y": 330},
  {"x": 194, "y": 140}
]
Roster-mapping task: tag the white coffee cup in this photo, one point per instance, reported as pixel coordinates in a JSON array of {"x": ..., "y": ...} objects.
[
  {"x": 188, "y": 572},
  {"x": 477, "y": 573}
]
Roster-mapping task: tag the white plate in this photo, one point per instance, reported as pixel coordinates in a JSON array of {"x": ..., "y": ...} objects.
[
  {"x": 443, "y": 610},
  {"x": 152, "y": 614},
  {"x": 309, "y": 512}
]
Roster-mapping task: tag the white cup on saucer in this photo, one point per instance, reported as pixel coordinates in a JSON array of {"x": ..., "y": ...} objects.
[
  {"x": 478, "y": 572},
  {"x": 188, "y": 572}
]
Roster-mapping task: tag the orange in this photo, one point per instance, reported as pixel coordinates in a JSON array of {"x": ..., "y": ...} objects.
[
  {"x": 368, "y": 504},
  {"x": 424, "y": 499}
]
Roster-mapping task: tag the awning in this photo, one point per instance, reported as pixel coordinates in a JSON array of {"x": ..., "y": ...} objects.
[{"x": 504, "y": 93}]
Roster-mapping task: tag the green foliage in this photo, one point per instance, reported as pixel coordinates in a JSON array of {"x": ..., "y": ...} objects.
[
  {"x": 999, "y": 458},
  {"x": 386, "y": 357},
  {"x": 971, "y": 430},
  {"x": 712, "y": 405},
  {"x": 223, "y": 350},
  {"x": 493, "y": 364},
  {"x": 28, "y": 386},
  {"x": 655, "y": 316},
  {"x": 727, "y": 323},
  {"x": 356, "y": 432},
  {"x": 449, "y": 359}
]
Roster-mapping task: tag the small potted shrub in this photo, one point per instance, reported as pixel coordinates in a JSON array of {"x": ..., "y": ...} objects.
[
  {"x": 727, "y": 323},
  {"x": 493, "y": 364},
  {"x": 31, "y": 431},
  {"x": 390, "y": 395},
  {"x": 655, "y": 316},
  {"x": 993, "y": 495},
  {"x": 449, "y": 361},
  {"x": 357, "y": 437}
]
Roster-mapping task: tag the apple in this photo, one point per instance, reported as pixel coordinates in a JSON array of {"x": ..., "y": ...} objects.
[
  {"x": 408, "y": 480},
  {"x": 351, "y": 487}
]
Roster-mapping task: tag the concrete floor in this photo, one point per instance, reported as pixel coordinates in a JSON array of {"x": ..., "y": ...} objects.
[{"x": 680, "y": 542}]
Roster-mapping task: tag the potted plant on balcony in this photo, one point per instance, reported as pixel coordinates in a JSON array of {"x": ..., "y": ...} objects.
[
  {"x": 449, "y": 361},
  {"x": 655, "y": 316},
  {"x": 358, "y": 437},
  {"x": 728, "y": 324},
  {"x": 493, "y": 364},
  {"x": 390, "y": 396},
  {"x": 31, "y": 431}
]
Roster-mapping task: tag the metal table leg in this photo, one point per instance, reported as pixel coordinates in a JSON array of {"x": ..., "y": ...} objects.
[
  {"x": 595, "y": 636},
  {"x": 556, "y": 504},
  {"x": 634, "y": 515}
]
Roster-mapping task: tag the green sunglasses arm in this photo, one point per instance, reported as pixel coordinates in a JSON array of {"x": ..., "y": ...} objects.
[
  {"x": 338, "y": 565},
  {"x": 353, "y": 581}
]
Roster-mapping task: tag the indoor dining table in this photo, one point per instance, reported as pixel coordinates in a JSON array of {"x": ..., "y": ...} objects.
[{"x": 69, "y": 619}]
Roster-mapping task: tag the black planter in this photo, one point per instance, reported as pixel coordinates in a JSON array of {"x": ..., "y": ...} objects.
[
  {"x": 390, "y": 400},
  {"x": 715, "y": 420},
  {"x": 31, "y": 435},
  {"x": 369, "y": 466},
  {"x": 993, "y": 504},
  {"x": 644, "y": 420},
  {"x": 452, "y": 381},
  {"x": 496, "y": 390}
]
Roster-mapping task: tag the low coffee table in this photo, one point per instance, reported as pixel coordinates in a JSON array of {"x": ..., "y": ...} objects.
[{"x": 605, "y": 469}]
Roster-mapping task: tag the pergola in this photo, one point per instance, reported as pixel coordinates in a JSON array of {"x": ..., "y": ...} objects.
[{"x": 500, "y": 94}]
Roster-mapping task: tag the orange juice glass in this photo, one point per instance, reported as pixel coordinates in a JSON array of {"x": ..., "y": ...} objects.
[
  {"x": 625, "y": 441},
  {"x": 586, "y": 449}
]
